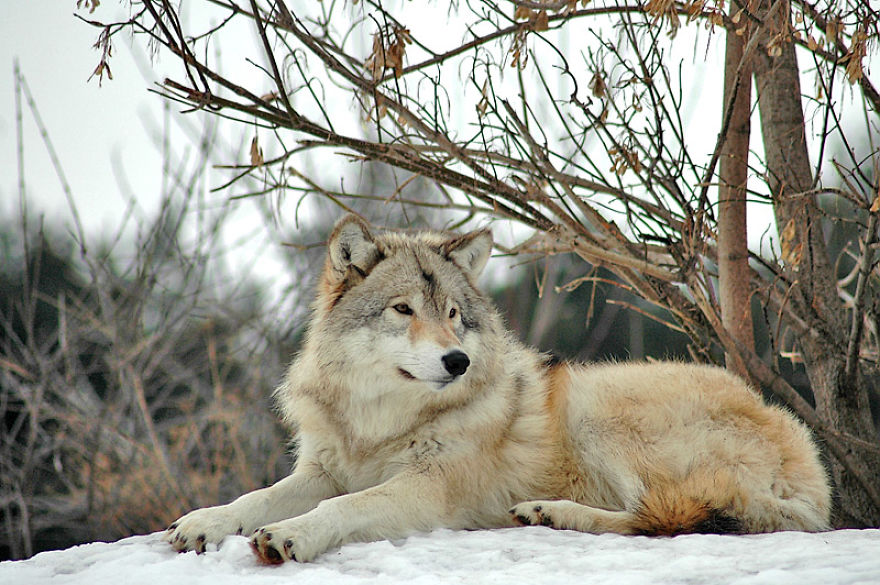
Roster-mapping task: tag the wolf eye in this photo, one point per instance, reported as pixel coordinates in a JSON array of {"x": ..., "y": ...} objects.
[
  {"x": 452, "y": 313},
  {"x": 403, "y": 309}
]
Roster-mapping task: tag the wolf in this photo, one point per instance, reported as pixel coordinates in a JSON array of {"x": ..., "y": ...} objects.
[{"x": 414, "y": 409}]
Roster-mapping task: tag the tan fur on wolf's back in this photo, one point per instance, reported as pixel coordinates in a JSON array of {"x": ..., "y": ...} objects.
[{"x": 413, "y": 408}]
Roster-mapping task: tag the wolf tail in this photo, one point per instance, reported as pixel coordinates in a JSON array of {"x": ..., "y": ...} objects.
[{"x": 667, "y": 512}]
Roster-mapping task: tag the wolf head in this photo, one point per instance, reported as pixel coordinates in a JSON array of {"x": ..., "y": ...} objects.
[{"x": 401, "y": 311}]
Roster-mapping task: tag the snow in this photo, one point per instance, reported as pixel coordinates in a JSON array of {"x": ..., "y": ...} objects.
[{"x": 533, "y": 555}]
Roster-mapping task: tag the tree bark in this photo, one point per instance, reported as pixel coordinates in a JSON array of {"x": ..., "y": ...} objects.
[
  {"x": 734, "y": 274},
  {"x": 841, "y": 401}
]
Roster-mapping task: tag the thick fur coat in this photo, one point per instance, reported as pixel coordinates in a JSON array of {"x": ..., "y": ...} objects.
[{"x": 413, "y": 408}]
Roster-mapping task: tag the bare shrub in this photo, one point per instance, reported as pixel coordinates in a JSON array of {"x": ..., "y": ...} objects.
[{"x": 135, "y": 382}]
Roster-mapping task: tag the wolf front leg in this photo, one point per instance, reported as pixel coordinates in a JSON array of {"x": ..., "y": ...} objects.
[
  {"x": 294, "y": 495},
  {"x": 407, "y": 503}
]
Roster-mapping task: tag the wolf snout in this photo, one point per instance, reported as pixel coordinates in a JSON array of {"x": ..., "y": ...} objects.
[{"x": 456, "y": 362}]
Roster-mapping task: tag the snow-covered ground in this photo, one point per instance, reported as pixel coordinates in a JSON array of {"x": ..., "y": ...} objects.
[{"x": 533, "y": 555}]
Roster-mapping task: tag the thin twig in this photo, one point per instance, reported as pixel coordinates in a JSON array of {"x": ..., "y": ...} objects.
[{"x": 858, "y": 309}]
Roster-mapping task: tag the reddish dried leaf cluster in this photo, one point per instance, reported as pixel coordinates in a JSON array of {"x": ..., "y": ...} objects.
[
  {"x": 623, "y": 159},
  {"x": 388, "y": 52},
  {"x": 660, "y": 9},
  {"x": 534, "y": 21},
  {"x": 103, "y": 45},
  {"x": 92, "y": 5},
  {"x": 853, "y": 59}
]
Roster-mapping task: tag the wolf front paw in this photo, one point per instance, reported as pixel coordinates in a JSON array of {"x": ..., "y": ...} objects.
[
  {"x": 271, "y": 549},
  {"x": 538, "y": 513},
  {"x": 200, "y": 527},
  {"x": 290, "y": 540}
]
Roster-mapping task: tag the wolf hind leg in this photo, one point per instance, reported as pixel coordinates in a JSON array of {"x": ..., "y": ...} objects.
[
  {"x": 658, "y": 514},
  {"x": 568, "y": 515}
]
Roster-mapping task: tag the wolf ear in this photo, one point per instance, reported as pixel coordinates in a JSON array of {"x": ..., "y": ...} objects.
[
  {"x": 470, "y": 251},
  {"x": 352, "y": 245}
]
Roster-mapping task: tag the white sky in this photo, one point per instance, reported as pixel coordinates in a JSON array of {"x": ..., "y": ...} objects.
[
  {"x": 107, "y": 137},
  {"x": 87, "y": 124}
]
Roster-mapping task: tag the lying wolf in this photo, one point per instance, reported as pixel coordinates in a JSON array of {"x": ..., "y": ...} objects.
[{"x": 415, "y": 409}]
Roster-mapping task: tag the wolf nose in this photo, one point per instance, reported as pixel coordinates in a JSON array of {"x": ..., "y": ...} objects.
[{"x": 456, "y": 362}]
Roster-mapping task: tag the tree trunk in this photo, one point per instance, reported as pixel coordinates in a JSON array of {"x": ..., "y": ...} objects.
[
  {"x": 733, "y": 253},
  {"x": 840, "y": 401}
]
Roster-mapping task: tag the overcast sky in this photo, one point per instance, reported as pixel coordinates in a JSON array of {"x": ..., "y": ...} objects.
[
  {"x": 106, "y": 136},
  {"x": 88, "y": 124}
]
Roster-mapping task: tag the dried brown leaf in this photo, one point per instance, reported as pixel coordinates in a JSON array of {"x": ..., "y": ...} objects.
[
  {"x": 853, "y": 59},
  {"x": 598, "y": 86},
  {"x": 832, "y": 28},
  {"x": 483, "y": 104},
  {"x": 694, "y": 9},
  {"x": 542, "y": 21},
  {"x": 91, "y": 4},
  {"x": 375, "y": 63},
  {"x": 522, "y": 13},
  {"x": 660, "y": 9},
  {"x": 256, "y": 153}
]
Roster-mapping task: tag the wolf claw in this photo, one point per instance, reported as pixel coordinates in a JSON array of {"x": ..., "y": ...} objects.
[{"x": 288, "y": 548}]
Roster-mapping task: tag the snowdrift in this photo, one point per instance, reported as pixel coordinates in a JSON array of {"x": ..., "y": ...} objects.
[{"x": 533, "y": 555}]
